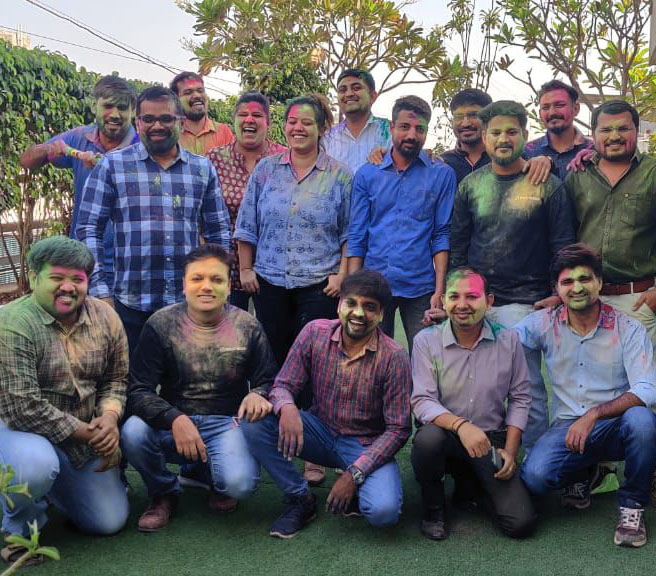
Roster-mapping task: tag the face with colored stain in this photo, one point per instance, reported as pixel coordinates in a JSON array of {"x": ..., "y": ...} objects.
[
  {"x": 301, "y": 129},
  {"x": 616, "y": 137},
  {"x": 465, "y": 301},
  {"x": 578, "y": 288},
  {"x": 504, "y": 139},
  {"x": 409, "y": 132},
  {"x": 60, "y": 291},
  {"x": 354, "y": 96},
  {"x": 359, "y": 315},
  {"x": 251, "y": 125},
  {"x": 158, "y": 137},
  {"x": 193, "y": 98},
  {"x": 557, "y": 111},
  {"x": 113, "y": 117},
  {"x": 206, "y": 286},
  {"x": 466, "y": 124}
]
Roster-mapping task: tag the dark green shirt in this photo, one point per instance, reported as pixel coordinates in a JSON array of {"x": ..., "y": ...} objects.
[{"x": 619, "y": 221}]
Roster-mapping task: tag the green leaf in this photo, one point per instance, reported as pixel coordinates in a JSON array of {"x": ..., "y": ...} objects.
[{"x": 49, "y": 551}]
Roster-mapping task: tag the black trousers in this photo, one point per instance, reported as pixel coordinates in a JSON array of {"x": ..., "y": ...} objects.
[{"x": 435, "y": 451}]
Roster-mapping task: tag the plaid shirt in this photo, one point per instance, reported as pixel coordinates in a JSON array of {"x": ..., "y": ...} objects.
[
  {"x": 156, "y": 215},
  {"x": 53, "y": 379},
  {"x": 367, "y": 396}
]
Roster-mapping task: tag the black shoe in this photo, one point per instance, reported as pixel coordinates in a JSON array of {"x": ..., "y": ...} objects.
[
  {"x": 576, "y": 496},
  {"x": 298, "y": 512},
  {"x": 433, "y": 525}
]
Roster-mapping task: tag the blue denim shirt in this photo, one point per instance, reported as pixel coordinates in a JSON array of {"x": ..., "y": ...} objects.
[
  {"x": 399, "y": 220},
  {"x": 542, "y": 147}
]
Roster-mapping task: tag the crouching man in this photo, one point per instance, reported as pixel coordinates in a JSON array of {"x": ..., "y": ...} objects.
[
  {"x": 359, "y": 417},
  {"x": 63, "y": 377}
]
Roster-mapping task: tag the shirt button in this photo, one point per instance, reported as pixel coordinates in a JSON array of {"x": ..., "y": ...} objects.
[
  {"x": 168, "y": 259},
  {"x": 580, "y": 363}
]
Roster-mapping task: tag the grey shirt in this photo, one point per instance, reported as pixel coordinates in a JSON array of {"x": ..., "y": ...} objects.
[{"x": 488, "y": 384}]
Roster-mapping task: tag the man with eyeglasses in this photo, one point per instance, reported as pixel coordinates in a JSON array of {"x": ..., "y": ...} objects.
[{"x": 159, "y": 197}]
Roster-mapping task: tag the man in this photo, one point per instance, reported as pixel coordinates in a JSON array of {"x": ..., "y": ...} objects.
[
  {"x": 113, "y": 105},
  {"x": 509, "y": 229},
  {"x": 214, "y": 366},
  {"x": 559, "y": 106},
  {"x": 360, "y": 131},
  {"x": 359, "y": 418},
  {"x": 63, "y": 374},
  {"x": 157, "y": 195},
  {"x": 600, "y": 363},
  {"x": 199, "y": 132},
  {"x": 400, "y": 218},
  {"x": 471, "y": 395}
]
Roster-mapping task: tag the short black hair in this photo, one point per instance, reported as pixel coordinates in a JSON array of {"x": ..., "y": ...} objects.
[
  {"x": 465, "y": 271},
  {"x": 182, "y": 77},
  {"x": 558, "y": 85},
  {"x": 359, "y": 73},
  {"x": 320, "y": 105},
  {"x": 206, "y": 251},
  {"x": 579, "y": 254},
  {"x": 470, "y": 97},
  {"x": 159, "y": 93},
  {"x": 414, "y": 104},
  {"x": 368, "y": 283},
  {"x": 258, "y": 97},
  {"x": 504, "y": 108},
  {"x": 614, "y": 107},
  {"x": 60, "y": 251},
  {"x": 115, "y": 87}
]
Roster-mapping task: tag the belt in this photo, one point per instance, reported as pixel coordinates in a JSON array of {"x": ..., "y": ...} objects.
[{"x": 629, "y": 288}]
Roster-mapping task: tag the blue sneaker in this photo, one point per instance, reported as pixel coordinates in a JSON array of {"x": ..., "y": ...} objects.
[{"x": 298, "y": 512}]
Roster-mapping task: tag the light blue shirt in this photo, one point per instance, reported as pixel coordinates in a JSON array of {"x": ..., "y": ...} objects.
[{"x": 586, "y": 371}]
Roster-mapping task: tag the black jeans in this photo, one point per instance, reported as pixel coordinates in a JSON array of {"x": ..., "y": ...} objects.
[
  {"x": 239, "y": 298},
  {"x": 133, "y": 322},
  {"x": 435, "y": 450}
]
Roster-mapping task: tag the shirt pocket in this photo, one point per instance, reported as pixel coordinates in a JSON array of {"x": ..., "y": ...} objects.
[
  {"x": 420, "y": 205},
  {"x": 635, "y": 211}
]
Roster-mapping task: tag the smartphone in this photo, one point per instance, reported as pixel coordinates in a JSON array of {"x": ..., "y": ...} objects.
[{"x": 497, "y": 461}]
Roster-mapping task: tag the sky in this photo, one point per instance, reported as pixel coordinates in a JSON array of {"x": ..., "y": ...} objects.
[{"x": 158, "y": 28}]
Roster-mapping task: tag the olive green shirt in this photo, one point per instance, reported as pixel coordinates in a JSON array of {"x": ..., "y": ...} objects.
[{"x": 618, "y": 221}]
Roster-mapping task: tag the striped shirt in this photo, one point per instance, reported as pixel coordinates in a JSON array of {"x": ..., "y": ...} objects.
[
  {"x": 367, "y": 396},
  {"x": 156, "y": 213}
]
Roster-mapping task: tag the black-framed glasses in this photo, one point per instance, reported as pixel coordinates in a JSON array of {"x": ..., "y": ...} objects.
[{"x": 163, "y": 119}]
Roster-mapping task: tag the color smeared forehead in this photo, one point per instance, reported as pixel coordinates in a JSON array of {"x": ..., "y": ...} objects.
[
  {"x": 504, "y": 123},
  {"x": 251, "y": 108},
  {"x": 407, "y": 115},
  {"x": 301, "y": 111},
  {"x": 466, "y": 283},
  {"x": 614, "y": 120},
  {"x": 190, "y": 84},
  {"x": 575, "y": 273}
]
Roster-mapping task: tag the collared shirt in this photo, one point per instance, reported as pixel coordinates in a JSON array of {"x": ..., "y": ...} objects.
[
  {"x": 367, "y": 396},
  {"x": 618, "y": 221},
  {"x": 87, "y": 139},
  {"x": 510, "y": 230},
  {"x": 474, "y": 384},
  {"x": 211, "y": 135},
  {"x": 399, "y": 220},
  {"x": 354, "y": 151},
  {"x": 233, "y": 176},
  {"x": 201, "y": 370},
  {"x": 156, "y": 215},
  {"x": 542, "y": 147},
  {"x": 53, "y": 379},
  {"x": 459, "y": 161},
  {"x": 298, "y": 227},
  {"x": 586, "y": 371}
]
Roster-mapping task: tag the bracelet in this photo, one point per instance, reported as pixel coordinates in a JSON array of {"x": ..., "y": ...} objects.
[
  {"x": 453, "y": 424},
  {"x": 244, "y": 269},
  {"x": 460, "y": 425}
]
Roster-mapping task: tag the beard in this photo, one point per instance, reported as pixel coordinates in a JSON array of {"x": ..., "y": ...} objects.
[
  {"x": 618, "y": 157},
  {"x": 409, "y": 153},
  {"x": 159, "y": 146},
  {"x": 506, "y": 161}
]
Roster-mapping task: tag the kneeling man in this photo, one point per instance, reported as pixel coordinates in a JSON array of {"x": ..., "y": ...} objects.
[
  {"x": 471, "y": 395},
  {"x": 600, "y": 363},
  {"x": 359, "y": 417},
  {"x": 214, "y": 366},
  {"x": 63, "y": 377}
]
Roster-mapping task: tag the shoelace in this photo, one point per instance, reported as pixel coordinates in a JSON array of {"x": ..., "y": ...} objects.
[
  {"x": 578, "y": 489},
  {"x": 630, "y": 517}
]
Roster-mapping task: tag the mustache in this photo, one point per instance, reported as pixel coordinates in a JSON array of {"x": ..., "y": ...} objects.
[
  {"x": 412, "y": 142},
  {"x": 555, "y": 117}
]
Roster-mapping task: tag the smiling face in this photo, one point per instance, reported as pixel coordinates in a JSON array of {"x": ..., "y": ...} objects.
[
  {"x": 158, "y": 137},
  {"x": 206, "y": 285},
  {"x": 114, "y": 117},
  {"x": 616, "y": 137},
  {"x": 301, "y": 129},
  {"x": 465, "y": 301},
  {"x": 359, "y": 315},
  {"x": 557, "y": 111},
  {"x": 251, "y": 125},
  {"x": 466, "y": 124},
  {"x": 578, "y": 288},
  {"x": 504, "y": 139},
  {"x": 354, "y": 96},
  {"x": 193, "y": 98},
  {"x": 60, "y": 291},
  {"x": 409, "y": 132}
]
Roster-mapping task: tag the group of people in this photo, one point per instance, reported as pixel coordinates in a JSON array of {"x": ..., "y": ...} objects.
[{"x": 136, "y": 343}]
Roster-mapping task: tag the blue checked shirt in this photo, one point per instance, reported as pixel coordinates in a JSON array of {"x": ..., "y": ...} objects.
[{"x": 157, "y": 215}]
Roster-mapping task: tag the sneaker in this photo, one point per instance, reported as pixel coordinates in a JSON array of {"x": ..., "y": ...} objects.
[
  {"x": 194, "y": 476},
  {"x": 314, "y": 474},
  {"x": 576, "y": 496},
  {"x": 158, "y": 514},
  {"x": 221, "y": 503},
  {"x": 433, "y": 525},
  {"x": 630, "y": 530},
  {"x": 298, "y": 512}
]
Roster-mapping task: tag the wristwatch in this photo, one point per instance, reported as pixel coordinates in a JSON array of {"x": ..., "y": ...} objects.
[
  {"x": 261, "y": 392},
  {"x": 356, "y": 474}
]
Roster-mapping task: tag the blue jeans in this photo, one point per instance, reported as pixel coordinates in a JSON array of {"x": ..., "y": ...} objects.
[
  {"x": 94, "y": 501},
  {"x": 381, "y": 495},
  {"x": 630, "y": 437},
  {"x": 234, "y": 472}
]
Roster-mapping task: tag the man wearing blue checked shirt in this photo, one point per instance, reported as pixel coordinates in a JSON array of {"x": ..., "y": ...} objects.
[{"x": 158, "y": 197}]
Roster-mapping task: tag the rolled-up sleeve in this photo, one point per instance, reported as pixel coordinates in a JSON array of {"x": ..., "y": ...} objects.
[
  {"x": 425, "y": 402},
  {"x": 638, "y": 359},
  {"x": 440, "y": 240},
  {"x": 360, "y": 216},
  {"x": 519, "y": 394}
]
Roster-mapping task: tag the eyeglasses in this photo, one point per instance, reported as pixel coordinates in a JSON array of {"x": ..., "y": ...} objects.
[
  {"x": 163, "y": 119},
  {"x": 468, "y": 115}
]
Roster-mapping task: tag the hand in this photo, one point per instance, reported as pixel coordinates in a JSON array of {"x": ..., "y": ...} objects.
[
  {"x": 548, "y": 302},
  {"x": 290, "y": 432},
  {"x": 509, "y": 465},
  {"x": 89, "y": 159},
  {"x": 254, "y": 407},
  {"x": 104, "y": 433},
  {"x": 249, "y": 282},
  {"x": 334, "y": 285},
  {"x": 56, "y": 150},
  {"x": 108, "y": 301},
  {"x": 109, "y": 462},
  {"x": 188, "y": 442},
  {"x": 376, "y": 156},
  {"x": 433, "y": 316},
  {"x": 579, "y": 431},
  {"x": 580, "y": 160},
  {"x": 474, "y": 440},
  {"x": 538, "y": 169},
  {"x": 341, "y": 494},
  {"x": 649, "y": 298}
]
